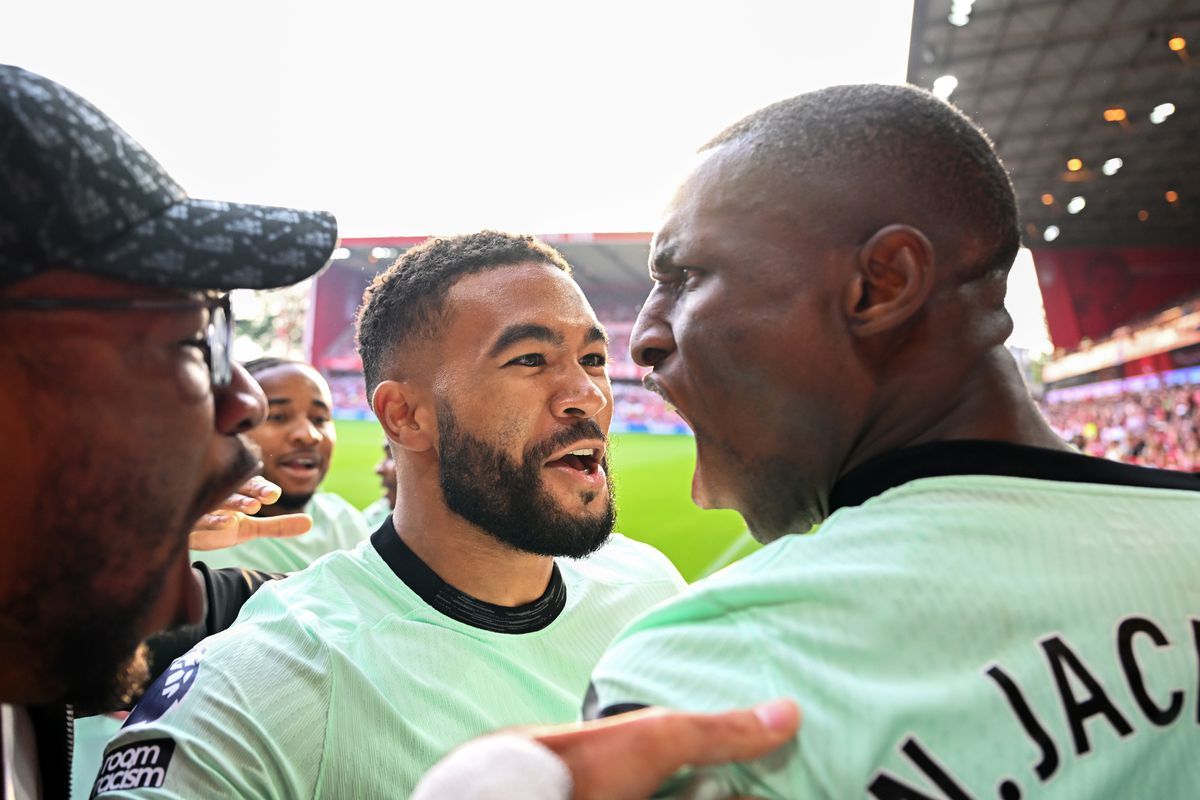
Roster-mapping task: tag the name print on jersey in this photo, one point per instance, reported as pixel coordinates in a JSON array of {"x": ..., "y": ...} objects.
[
  {"x": 1085, "y": 705},
  {"x": 141, "y": 765}
]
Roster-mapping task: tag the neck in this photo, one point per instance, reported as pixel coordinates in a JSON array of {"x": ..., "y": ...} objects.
[
  {"x": 22, "y": 682},
  {"x": 990, "y": 402},
  {"x": 464, "y": 556}
]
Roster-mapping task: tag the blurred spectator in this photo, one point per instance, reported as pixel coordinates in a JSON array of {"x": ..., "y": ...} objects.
[{"x": 1156, "y": 427}]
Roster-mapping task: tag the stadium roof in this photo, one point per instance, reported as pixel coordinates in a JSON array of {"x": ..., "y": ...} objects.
[{"x": 1042, "y": 75}]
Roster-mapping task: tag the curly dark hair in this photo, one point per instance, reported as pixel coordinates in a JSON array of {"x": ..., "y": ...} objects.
[
  {"x": 916, "y": 149},
  {"x": 407, "y": 301}
]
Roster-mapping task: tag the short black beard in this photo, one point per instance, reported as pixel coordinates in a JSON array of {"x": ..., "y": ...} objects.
[{"x": 508, "y": 501}]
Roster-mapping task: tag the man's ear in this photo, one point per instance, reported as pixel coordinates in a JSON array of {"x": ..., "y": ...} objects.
[
  {"x": 402, "y": 418},
  {"x": 892, "y": 279}
]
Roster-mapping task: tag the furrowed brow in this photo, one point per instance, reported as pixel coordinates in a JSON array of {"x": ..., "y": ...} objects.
[
  {"x": 516, "y": 333},
  {"x": 662, "y": 259}
]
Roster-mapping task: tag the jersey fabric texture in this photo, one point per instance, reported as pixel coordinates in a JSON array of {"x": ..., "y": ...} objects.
[
  {"x": 1033, "y": 631},
  {"x": 377, "y": 512},
  {"x": 353, "y": 677},
  {"x": 337, "y": 525}
]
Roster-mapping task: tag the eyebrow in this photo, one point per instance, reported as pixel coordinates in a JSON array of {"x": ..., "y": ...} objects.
[
  {"x": 663, "y": 258},
  {"x": 540, "y": 333}
]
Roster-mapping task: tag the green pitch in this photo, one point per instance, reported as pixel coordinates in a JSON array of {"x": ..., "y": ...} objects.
[{"x": 653, "y": 476}]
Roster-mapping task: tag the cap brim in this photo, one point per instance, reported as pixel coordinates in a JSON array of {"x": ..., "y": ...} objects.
[{"x": 207, "y": 244}]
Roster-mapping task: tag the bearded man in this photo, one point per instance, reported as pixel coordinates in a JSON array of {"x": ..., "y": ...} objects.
[{"x": 487, "y": 597}]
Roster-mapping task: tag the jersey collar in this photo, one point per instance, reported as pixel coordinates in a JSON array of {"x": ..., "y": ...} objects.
[
  {"x": 460, "y": 606},
  {"x": 973, "y": 457}
]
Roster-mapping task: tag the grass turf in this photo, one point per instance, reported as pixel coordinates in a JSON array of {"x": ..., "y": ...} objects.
[{"x": 653, "y": 477}]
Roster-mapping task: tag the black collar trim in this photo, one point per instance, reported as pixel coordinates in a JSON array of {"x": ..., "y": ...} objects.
[
  {"x": 971, "y": 457},
  {"x": 457, "y": 605}
]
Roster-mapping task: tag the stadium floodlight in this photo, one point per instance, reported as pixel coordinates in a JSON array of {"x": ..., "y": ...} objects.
[
  {"x": 1076, "y": 204},
  {"x": 960, "y": 12},
  {"x": 383, "y": 252},
  {"x": 944, "y": 86},
  {"x": 1051, "y": 233},
  {"x": 1111, "y": 166},
  {"x": 340, "y": 254},
  {"x": 1160, "y": 113}
]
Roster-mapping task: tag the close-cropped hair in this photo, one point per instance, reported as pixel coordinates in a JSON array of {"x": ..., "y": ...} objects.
[
  {"x": 406, "y": 302},
  {"x": 945, "y": 163}
]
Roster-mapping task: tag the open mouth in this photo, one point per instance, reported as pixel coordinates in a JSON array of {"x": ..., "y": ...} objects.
[
  {"x": 304, "y": 465},
  {"x": 585, "y": 460}
]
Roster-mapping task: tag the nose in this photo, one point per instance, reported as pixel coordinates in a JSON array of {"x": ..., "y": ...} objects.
[
  {"x": 581, "y": 397},
  {"x": 304, "y": 431},
  {"x": 652, "y": 340},
  {"x": 241, "y": 405}
]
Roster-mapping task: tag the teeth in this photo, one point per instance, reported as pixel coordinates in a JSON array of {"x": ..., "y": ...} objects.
[{"x": 583, "y": 452}]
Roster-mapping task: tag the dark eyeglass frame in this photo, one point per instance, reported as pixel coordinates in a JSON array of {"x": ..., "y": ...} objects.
[{"x": 218, "y": 333}]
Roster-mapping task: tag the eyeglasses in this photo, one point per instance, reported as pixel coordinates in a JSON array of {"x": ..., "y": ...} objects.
[{"x": 218, "y": 334}]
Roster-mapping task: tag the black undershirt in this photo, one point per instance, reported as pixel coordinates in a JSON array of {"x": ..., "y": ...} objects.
[
  {"x": 460, "y": 606},
  {"x": 975, "y": 457}
]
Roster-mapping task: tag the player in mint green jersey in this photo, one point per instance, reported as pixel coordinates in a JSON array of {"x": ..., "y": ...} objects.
[
  {"x": 297, "y": 442},
  {"x": 983, "y": 613},
  {"x": 483, "y": 602}
]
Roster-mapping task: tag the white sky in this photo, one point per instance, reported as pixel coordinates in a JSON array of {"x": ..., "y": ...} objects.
[{"x": 442, "y": 117}]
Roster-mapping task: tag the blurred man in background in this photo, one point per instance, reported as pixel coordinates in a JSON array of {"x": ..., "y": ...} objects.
[
  {"x": 296, "y": 441},
  {"x": 381, "y": 509}
]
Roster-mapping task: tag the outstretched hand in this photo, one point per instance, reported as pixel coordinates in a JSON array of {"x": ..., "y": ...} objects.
[
  {"x": 627, "y": 757},
  {"x": 232, "y": 522},
  {"x": 653, "y": 744}
]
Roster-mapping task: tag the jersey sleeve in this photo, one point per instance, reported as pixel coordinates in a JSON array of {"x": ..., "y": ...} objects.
[{"x": 244, "y": 714}]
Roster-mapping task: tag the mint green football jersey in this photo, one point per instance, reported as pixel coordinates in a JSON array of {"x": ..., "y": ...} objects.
[
  {"x": 337, "y": 525},
  {"x": 343, "y": 681},
  {"x": 953, "y": 637}
]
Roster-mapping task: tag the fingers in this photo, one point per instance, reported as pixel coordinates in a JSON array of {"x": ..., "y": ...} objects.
[
  {"x": 653, "y": 744},
  {"x": 278, "y": 527},
  {"x": 261, "y": 489}
]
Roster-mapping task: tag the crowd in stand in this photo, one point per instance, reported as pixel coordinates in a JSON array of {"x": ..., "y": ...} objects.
[{"x": 1156, "y": 427}]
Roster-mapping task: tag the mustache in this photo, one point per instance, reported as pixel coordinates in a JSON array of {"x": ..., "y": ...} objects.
[{"x": 584, "y": 429}]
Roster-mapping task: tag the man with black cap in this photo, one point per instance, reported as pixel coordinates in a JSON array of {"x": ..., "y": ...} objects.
[
  {"x": 116, "y": 333},
  {"x": 114, "y": 336}
]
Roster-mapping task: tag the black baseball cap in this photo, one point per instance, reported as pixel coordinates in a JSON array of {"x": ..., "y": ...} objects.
[{"x": 77, "y": 192}]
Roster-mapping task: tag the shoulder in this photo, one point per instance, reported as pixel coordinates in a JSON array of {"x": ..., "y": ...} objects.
[
  {"x": 337, "y": 592},
  {"x": 624, "y": 560},
  {"x": 337, "y": 510},
  {"x": 246, "y": 708}
]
